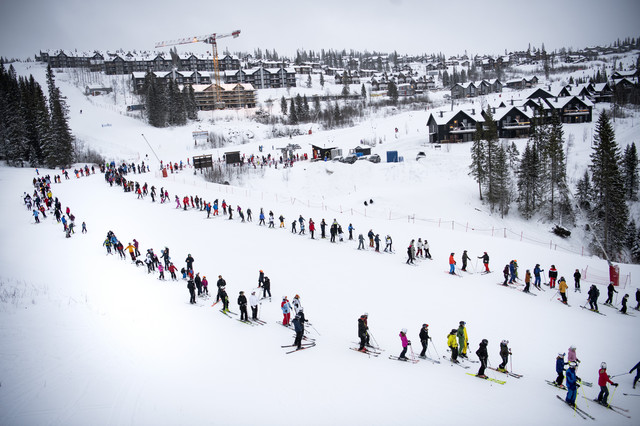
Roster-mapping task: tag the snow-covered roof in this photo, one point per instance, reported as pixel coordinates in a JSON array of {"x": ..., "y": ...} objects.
[
  {"x": 502, "y": 112},
  {"x": 447, "y": 116},
  {"x": 561, "y": 102}
]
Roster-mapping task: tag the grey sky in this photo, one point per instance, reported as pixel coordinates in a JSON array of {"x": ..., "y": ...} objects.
[{"x": 408, "y": 26}]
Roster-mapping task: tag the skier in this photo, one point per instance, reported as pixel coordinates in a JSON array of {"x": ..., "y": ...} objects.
[
  {"x": 351, "y": 229},
  {"x": 571, "y": 354},
  {"x": 560, "y": 369},
  {"x": 253, "y": 301},
  {"x": 301, "y": 229},
  {"x": 463, "y": 340},
  {"x": 297, "y": 306},
  {"x": 485, "y": 262},
  {"x": 266, "y": 288},
  {"x": 593, "y": 297},
  {"x": 635, "y": 379},
  {"x": 603, "y": 379},
  {"x": 260, "y": 278},
  {"x": 198, "y": 282},
  {"x": 205, "y": 285},
  {"x": 453, "y": 345},
  {"x": 527, "y": 281},
  {"x": 452, "y": 264},
  {"x": 572, "y": 384},
  {"x": 483, "y": 355},
  {"x": 427, "y": 254},
  {"x": 388, "y": 243},
  {"x": 286, "y": 310},
  {"x": 553, "y": 275},
  {"x": 536, "y": 274},
  {"x": 323, "y": 226},
  {"x": 161, "y": 270},
  {"x": 624, "y": 304},
  {"x": 131, "y": 249},
  {"x": 361, "y": 242},
  {"x": 424, "y": 339},
  {"x": 107, "y": 244},
  {"x": 465, "y": 258},
  {"x": 225, "y": 298},
  {"x": 35, "y": 216},
  {"x": 562, "y": 288},
  {"x": 505, "y": 272},
  {"x": 410, "y": 250},
  {"x": 189, "y": 261},
  {"x": 405, "y": 344},
  {"x": 420, "y": 247},
  {"x": 261, "y": 217},
  {"x": 363, "y": 332},
  {"x": 576, "y": 279},
  {"x": 638, "y": 299},
  {"x": 281, "y": 219},
  {"x": 242, "y": 302},
  {"x": 610, "y": 290},
  {"x": 298, "y": 326},
  {"x": 172, "y": 270},
  {"x": 512, "y": 272},
  {"x": 504, "y": 354},
  {"x": 377, "y": 241},
  {"x": 312, "y": 228},
  {"x": 293, "y": 227},
  {"x": 250, "y": 219},
  {"x": 221, "y": 283},
  {"x": 192, "y": 291}
]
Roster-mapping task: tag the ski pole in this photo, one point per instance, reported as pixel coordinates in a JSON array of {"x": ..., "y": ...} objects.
[
  {"x": 623, "y": 374},
  {"x": 413, "y": 356},
  {"x": 434, "y": 348},
  {"x": 613, "y": 393},
  {"x": 583, "y": 395},
  {"x": 374, "y": 340},
  {"x": 554, "y": 295},
  {"x": 510, "y": 362},
  {"x": 314, "y": 329}
]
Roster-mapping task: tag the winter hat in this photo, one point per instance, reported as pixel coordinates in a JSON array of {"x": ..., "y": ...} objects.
[
  {"x": 242, "y": 292},
  {"x": 425, "y": 325},
  {"x": 253, "y": 292},
  {"x": 561, "y": 355},
  {"x": 404, "y": 331},
  {"x": 453, "y": 331}
]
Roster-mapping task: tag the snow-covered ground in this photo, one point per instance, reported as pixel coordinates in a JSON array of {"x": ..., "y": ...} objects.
[{"x": 90, "y": 339}]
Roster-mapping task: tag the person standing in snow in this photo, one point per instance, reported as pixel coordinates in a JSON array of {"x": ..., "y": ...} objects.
[
  {"x": 260, "y": 278},
  {"x": 410, "y": 253},
  {"x": 225, "y": 299},
  {"x": 198, "y": 282},
  {"x": 172, "y": 271},
  {"x": 572, "y": 384},
  {"x": 483, "y": 356},
  {"x": 189, "y": 260},
  {"x": 405, "y": 344},
  {"x": 266, "y": 288},
  {"x": 571, "y": 354},
  {"x": 131, "y": 250},
  {"x": 261, "y": 218},
  {"x": 286, "y": 310},
  {"x": 253, "y": 302},
  {"x": 293, "y": 227},
  {"x": 485, "y": 261},
  {"x": 242, "y": 303},
  {"x": 298, "y": 326},
  {"x": 220, "y": 284},
  {"x": 205, "y": 285},
  {"x": 465, "y": 258},
  {"x": 576, "y": 279},
  {"x": 453, "y": 345},
  {"x": 603, "y": 379},
  {"x": 553, "y": 275},
  {"x": 593, "y": 297},
  {"x": 505, "y": 273},
  {"x": 297, "y": 306},
  {"x": 192, "y": 291},
  {"x": 361, "y": 242},
  {"x": 527, "y": 281},
  {"x": 536, "y": 275},
  {"x": 363, "y": 331},
  {"x": 560, "y": 369},
  {"x": 624, "y": 304},
  {"x": 350, "y": 228},
  {"x": 504, "y": 354},
  {"x": 312, "y": 228},
  {"x": 161, "y": 270},
  {"x": 424, "y": 339},
  {"x": 610, "y": 290},
  {"x": 635, "y": 379},
  {"x": 452, "y": 264},
  {"x": 637, "y": 308},
  {"x": 420, "y": 246},
  {"x": 463, "y": 339},
  {"x": 427, "y": 254},
  {"x": 323, "y": 227},
  {"x": 388, "y": 243},
  {"x": 562, "y": 288},
  {"x": 377, "y": 241}
]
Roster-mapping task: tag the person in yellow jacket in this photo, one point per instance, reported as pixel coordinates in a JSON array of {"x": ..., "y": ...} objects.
[
  {"x": 562, "y": 288},
  {"x": 453, "y": 345},
  {"x": 463, "y": 339},
  {"x": 131, "y": 248}
]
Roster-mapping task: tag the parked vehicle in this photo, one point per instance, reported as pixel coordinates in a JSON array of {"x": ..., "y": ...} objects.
[
  {"x": 374, "y": 158},
  {"x": 350, "y": 159},
  {"x": 420, "y": 155}
]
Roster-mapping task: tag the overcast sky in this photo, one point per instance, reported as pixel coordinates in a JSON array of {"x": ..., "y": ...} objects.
[{"x": 407, "y": 26}]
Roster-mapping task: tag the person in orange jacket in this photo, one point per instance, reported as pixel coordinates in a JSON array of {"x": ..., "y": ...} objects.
[{"x": 452, "y": 264}]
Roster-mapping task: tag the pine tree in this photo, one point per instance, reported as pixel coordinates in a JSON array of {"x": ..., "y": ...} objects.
[
  {"x": 630, "y": 172},
  {"x": 392, "y": 92},
  {"x": 557, "y": 166},
  {"x": 306, "y": 113},
  {"x": 322, "y": 80},
  {"x": 611, "y": 214},
  {"x": 527, "y": 182},
  {"x": 59, "y": 152},
  {"x": 283, "y": 105},
  {"x": 189, "y": 99},
  {"x": 502, "y": 180},
  {"x": 309, "y": 82},
  {"x": 299, "y": 108},
  {"x": 490, "y": 135},
  {"x": 584, "y": 192},
  {"x": 293, "y": 114},
  {"x": 478, "y": 159}
]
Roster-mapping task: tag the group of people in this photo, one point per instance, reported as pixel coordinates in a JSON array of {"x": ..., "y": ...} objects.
[{"x": 465, "y": 260}]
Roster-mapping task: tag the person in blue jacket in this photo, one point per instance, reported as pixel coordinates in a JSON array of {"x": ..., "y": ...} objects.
[
  {"x": 298, "y": 326},
  {"x": 560, "y": 369},
  {"x": 536, "y": 274},
  {"x": 572, "y": 383}
]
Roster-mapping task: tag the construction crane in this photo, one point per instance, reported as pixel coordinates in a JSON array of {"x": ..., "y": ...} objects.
[{"x": 212, "y": 40}]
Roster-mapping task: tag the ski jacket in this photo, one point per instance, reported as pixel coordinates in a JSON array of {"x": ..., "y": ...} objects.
[
  {"x": 424, "y": 334},
  {"x": 562, "y": 286},
  {"x": 296, "y": 304},
  {"x": 221, "y": 282},
  {"x": 160, "y": 268},
  {"x": 462, "y": 334},
  {"x": 191, "y": 285},
  {"x": 242, "y": 300},
  {"x": 636, "y": 367},
  {"x": 482, "y": 351},
  {"x": 362, "y": 327},
  {"x": 571, "y": 355},
  {"x": 505, "y": 271},
  {"x": 452, "y": 342},
  {"x": 484, "y": 257},
  {"x": 172, "y": 268},
  {"x": 312, "y": 225},
  {"x": 130, "y": 248},
  {"x": 594, "y": 293},
  {"x": 298, "y": 324},
  {"x": 504, "y": 350},
  {"x": 572, "y": 379},
  {"x": 205, "y": 283},
  {"x": 577, "y": 275},
  {"x": 451, "y": 260},
  {"x": 603, "y": 377},
  {"x": 285, "y": 306},
  {"x": 553, "y": 273},
  {"x": 560, "y": 365},
  {"x": 403, "y": 339},
  {"x": 536, "y": 271},
  {"x": 611, "y": 289},
  {"x": 253, "y": 300}
]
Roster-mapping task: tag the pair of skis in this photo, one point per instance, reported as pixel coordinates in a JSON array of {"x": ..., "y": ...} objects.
[
  {"x": 509, "y": 373},
  {"x": 405, "y": 359},
  {"x": 302, "y": 347},
  {"x": 490, "y": 379},
  {"x": 619, "y": 410},
  {"x": 578, "y": 411}
]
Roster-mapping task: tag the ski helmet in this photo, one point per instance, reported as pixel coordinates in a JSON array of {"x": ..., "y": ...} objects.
[
  {"x": 404, "y": 331},
  {"x": 561, "y": 355},
  {"x": 462, "y": 323},
  {"x": 453, "y": 331},
  {"x": 366, "y": 314},
  {"x": 504, "y": 342},
  {"x": 425, "y": 325},
  {"x": 603, "y": 365},
  {"x": 485, "y": 342},
  {"x": 572, "y": 347},
  {"x": 296, "y": 297}
]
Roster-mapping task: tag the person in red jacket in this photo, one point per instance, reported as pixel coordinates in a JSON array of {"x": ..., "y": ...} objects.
[
  {"x": 312, "y": 227},
  {"x": 553, "y": 275},
  {"x": 603, "y": 379},
  {"x": 452, "y": 264},
  {"x": 172, "y": 269}
]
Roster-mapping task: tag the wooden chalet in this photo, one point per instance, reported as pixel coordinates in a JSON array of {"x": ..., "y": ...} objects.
[
  {"x": 238, "y": 95},
  {"x": 453, "y": 126}
]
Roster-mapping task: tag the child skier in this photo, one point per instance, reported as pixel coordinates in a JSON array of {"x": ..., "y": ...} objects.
[
  {"x": 560, "y": 369},
  {"x": 452, "y": 342},
  {"x": 405, "y": 344},
  {"x": 483, "y": 355},
  {"x": 572, "y": 384},
  {"x": 504, "y": 354},
  {"x": 603, "y": 379},
  {"x": 424, "y": 339}
]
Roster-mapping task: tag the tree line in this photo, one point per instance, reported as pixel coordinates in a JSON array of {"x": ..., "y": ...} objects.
[
  {"x": 34, "y": 130},
  {"x": 536, "y": 182},
  {"x": 165, "y": 104}
]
